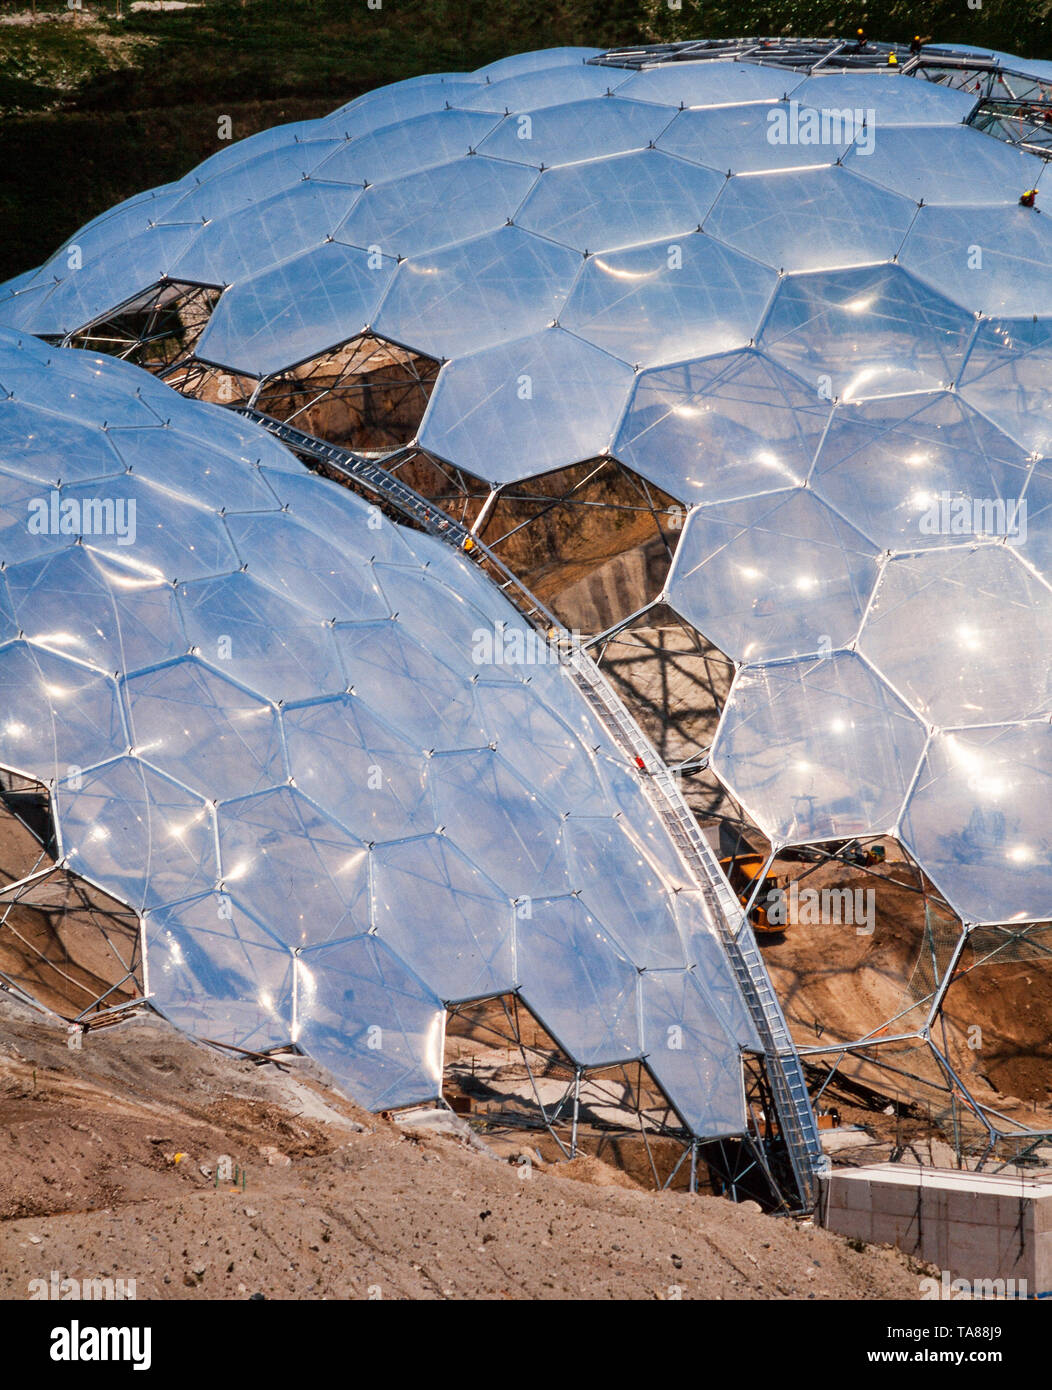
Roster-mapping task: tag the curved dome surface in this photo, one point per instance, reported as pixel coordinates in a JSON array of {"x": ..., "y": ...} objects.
[
  {"x": 810, "y": 307},
  {"x": 297, "y": 739}
]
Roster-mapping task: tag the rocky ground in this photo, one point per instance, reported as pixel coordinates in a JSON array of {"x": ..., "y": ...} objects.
[{"x": 110, "y": 1165}]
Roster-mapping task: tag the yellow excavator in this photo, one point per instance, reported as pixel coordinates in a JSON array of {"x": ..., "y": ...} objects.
[{"x": 742, "y": 871}]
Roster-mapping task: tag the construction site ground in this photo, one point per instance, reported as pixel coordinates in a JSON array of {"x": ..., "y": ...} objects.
[{"x": 109, "y": 1157}]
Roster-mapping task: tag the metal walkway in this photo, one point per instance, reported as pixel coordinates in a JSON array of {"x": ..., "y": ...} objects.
[{"x": 784, "y": 1069}]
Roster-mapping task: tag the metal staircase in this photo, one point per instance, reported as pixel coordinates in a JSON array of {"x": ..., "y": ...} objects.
[{"x": 785, "y": 1072}]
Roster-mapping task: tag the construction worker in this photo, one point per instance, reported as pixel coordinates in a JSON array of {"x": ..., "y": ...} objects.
[{"x": 860, "y": 44}]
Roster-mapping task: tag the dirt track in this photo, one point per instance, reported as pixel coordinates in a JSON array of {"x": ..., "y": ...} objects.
[{"x": 338, "y": 1203}]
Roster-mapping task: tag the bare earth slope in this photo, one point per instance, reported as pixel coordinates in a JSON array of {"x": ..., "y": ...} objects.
[{"x": 338, "y": 1203}]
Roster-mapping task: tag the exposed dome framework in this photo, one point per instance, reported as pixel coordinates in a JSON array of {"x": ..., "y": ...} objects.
[{"x": 612, "y": 286}]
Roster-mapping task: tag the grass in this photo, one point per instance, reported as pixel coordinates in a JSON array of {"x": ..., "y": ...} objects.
[{"x": 100, "y": 108}]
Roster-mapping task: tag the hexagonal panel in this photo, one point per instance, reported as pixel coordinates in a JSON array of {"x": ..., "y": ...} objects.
[
  {"x": 574, "y": 131},
  {"x": 60, "y": 716},
  {"x": 743, "y": 139},
  {"x": 817, "y": 749},
  {"x": 150, "y": 840},
  {"x": 867, "y": 332},
  {"x": 502, "y": 285},
  {"x": 215, "y": 972},
  {"x": 1006, "y": 377},
  {"x": 359, "y": 769},
  {"x": 392, "y": 151},
  {"x": 433, "y": 207},
  {"x": 444, "y": 918},
  {"x": 368, "y": 1018},
  {"x": 620, "y": 201},
  {"x": 526, "y": 407},
  {"x": 993, "y": 261},
  {"x": 667, "y": 301},
  {"x": 810, "y": 219},
  {"x": 294, "y": 868},
  {"x": 409, "y": 686},
  {"x": 956, "y": 631},
  {"x": 937, "y": 166},
  {"x": 728, "y": 427},
  {"x": 126, "y": 620},
  {"x": 691, "y": 1052},
  {"x": 709, "y": 83},
  {"x": 772, "y": 576},
  {"x": 578, "y": 982},
  {"x": 616, "y": 882},
  {"x": 978, "y": 824},
  {"x": 894, "y": 466},
  {"x": 296, "y": 310},
  {"x": 204, "y": 731},
  {"x": 268, "y": 644},
  {"x": 500, "y": 823}
]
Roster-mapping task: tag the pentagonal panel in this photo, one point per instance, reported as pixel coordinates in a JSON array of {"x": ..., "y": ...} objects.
[
  {"x": 867, "y": 332},
  {"x": 215, "y": 972},
  {"x": 900, "y": 468},
  {"x": 359, "y": 769},
  {"x": 817, "y": 749},
  {"x": 240, "y": 245},
  {"x": 993, "y": 261},
  {"x": 1006, "y": 377},
  {"x": 710, "y": 83},
  {"x": 526, "y": 407},
  {"x": 204, "y": 731},
  {"x": 691, "y": 1053},
  {"x": 148, "y": 839},
  {"x": 50, "y": 449},
  {"x": 575, "y": 131},
  {"x": 958, "y": 632},
  {"x": 936, "y": 166},
  {"x": 296, "y": 310},
  {"x": 496, "y": 287},
  {"x": 500, "y": 823},
  {"x": 305, "y": 569},
  {"x": 729, "y": 427},
  {"x": 620, "y": 201},
  {"x": 294, "y": 868},
  {"x": 433, "y": 207},
  {"x": 60, "y": 716},
  {"x": 772, "y": 576},
  {"x": 616, "y": 882},
  {"x": 125, "y": 621},
  {"x": 451, "y": 925},
  {"x": 392, "y": 151},
  {"x": 367, "y": 1018},
  {"x": 266, "y": 643},
  {"x": 978, "y": 821},
  {"x": 810, "y": 219},
  {"x": 578, "y": 982},
  {"x": 667, "y": 301},
  {"x": 886, "y": 98},
  {"x": 744, "y": 139},
  {"x": 422, "y": 697}
]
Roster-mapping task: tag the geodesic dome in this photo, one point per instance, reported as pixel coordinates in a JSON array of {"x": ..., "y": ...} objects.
[
  {"x": 267, "y": 722},
  {"x": 809, "y": 344}
]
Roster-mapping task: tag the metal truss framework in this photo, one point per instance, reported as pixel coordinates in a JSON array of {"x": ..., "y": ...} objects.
[{"x": 1012, "y": 106}]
